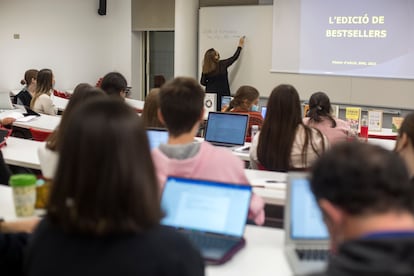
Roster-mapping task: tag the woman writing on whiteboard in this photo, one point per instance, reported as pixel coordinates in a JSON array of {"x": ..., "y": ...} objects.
[{"x": 214, "y": 72}]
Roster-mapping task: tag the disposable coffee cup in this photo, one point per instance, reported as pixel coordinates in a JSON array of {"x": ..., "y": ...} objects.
[{"x": 24, "y": 194}]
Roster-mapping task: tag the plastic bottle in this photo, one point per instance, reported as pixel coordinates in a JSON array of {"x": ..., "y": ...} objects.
[{"x": 255, "y": 129}]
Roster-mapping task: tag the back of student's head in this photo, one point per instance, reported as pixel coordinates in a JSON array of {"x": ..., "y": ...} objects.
[
  {"x": 278, "y": 131},
  {"x": 244, "y": 96},
  {"x": 407, "y": 127},
  {"x": 114, "y": 83},
  {"x": 82, "y": 92},
  {"x": 150, "y": 111},
  {"x": 209, "y": 61},
  {"x": 181, "y": 103},
  {"x": 105, "y": 181},
  {"x": 363, "y": 179},
  {"x": 44, "y": 81},
  {"x": 29, "y": 76},
  {"x": 319, "y": 107}
]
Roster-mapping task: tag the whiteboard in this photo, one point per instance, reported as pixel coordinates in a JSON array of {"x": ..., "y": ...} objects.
[{"x": 221, "y": 27}]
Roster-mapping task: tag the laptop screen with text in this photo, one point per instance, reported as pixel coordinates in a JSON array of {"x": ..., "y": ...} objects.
[
  {"x": 306, "y": 218},
  {"x": 226, "y": 128},
  {"x": 206, "y": 206}
]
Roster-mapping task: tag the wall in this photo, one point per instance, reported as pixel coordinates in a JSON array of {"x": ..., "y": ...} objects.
[
  {"x": 68, "y": 37},
  {"x": 220, "y": 27}
]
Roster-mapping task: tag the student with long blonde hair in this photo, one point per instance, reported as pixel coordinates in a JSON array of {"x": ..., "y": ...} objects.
[{"x": 42, "y": 101}]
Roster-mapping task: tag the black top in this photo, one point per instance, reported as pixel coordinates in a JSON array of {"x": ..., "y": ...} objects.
[
  {"x": 11, "y": 253},
  {"x": 23, "y": 98},
  {"x": 4, "y": 171},
  {"x": 159, "y": 251},
  {"x": 218, "y": 81},
  {"x": 379, "y": 256}
]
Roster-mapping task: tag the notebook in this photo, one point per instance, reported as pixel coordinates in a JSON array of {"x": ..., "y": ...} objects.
[
  {"x": 5, "y": 101},
  {"x": 157, "y": 136},
  {"x": 306, "y": 236},
  {"x": 226, "y": 129},
  {"x": 211, "y": 214}
]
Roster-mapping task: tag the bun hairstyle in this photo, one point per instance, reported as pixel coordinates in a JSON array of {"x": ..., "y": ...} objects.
[{"x": 28, "y": 76}]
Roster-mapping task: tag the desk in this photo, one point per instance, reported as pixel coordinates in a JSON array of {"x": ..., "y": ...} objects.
[
  {"x": 42, "y": 122},
  {"x": 6, "y": 203},
  {"x": 136, "y": 104},
  {"x": 385, "y": 133},
  {"x": 22, "y": 152},
  {"x": 262, "y": 255},
  {"x": 60, "y": 103},
  {"x": 272, "y": 193}
]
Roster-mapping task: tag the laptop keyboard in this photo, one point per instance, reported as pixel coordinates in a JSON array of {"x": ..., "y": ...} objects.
[
  {"x": 313, "y": 254},
  {"x": 206, "y": 241}
]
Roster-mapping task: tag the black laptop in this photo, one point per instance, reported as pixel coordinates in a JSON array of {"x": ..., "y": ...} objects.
[{"x": 211, "y": 214}]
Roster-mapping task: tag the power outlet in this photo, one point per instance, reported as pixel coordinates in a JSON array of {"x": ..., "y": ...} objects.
[{"x": 16, "y": 36}]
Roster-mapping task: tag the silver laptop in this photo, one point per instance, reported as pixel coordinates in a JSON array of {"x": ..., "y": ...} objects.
[
  {"x": 226, "y": 128},
  {"x": 212, "y": 215},
  {"x": 306, "y": 236},
  {"x": 5, "y": 101}
]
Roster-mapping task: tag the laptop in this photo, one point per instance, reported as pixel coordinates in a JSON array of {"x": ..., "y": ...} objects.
[
  {"x": 211, "y": 214},
  {"x": 264, "y": 109},
  {"x": 226, "y": 128},
  {"x": 225, "y": 101},
  {"x": 157, "y": 136},
  {"x": 5, "y": 101},
  {"x": 306, "y": 236}
]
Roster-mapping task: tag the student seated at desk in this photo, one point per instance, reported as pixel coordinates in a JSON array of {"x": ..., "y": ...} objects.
[
  {"x": 25, "y": 96},
  {"x": 320, "y": 116},
  {"x": 48, "y": 156},
  {"x": 182, "y": 110},
  {"x": 405, "y": 143},
  {"x": 41, "y": 101},
  {"x": 246, "y": 100},
  {"x": 104, "y": 219},
  {"x": 366, "y": 199},
  {"x": 14, "y": 236},
  {"x": 150, "y": 111},
  {"x": 285, "y": 142},
  {"x": 115, "y": 85}
]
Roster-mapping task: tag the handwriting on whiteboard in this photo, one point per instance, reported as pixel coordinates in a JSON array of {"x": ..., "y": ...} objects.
[{"x": 219, "y": 34}]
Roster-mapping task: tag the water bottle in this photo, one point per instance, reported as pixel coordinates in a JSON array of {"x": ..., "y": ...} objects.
[{"x": 255, "y": 129}]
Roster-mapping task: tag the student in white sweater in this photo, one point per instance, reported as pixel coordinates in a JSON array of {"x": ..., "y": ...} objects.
[{"x": 42, "y": 102}]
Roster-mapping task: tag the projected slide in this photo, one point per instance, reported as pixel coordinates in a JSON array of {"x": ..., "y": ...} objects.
[{"x": 370, "y": 38}]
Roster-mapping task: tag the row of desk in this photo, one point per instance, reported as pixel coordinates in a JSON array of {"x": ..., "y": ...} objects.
[{"x": 263, "y": 254}]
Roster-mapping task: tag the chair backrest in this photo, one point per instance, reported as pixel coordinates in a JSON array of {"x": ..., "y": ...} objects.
[{"x": 39, "y": 135}]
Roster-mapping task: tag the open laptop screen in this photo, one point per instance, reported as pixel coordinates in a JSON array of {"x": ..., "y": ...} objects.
[
  {"x": 157, "y": 136},
  {"x": 206, "y": 206},
  {"x": 226, "y": 128},
  {"x": 264, "y": 109},
  {"x": 306, "y": 218}
]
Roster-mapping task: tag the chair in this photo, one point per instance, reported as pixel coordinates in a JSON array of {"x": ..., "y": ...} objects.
[{"x": 39, "y": 135}]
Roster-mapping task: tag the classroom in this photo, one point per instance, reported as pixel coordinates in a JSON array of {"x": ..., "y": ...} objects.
[{"x": 83, "y": 40}]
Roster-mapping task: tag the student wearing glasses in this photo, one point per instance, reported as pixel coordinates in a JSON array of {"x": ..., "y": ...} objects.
[{"x": 115, "y": 85}]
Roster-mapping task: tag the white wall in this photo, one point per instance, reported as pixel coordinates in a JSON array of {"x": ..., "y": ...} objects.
[{"x": 67, "y": 36}]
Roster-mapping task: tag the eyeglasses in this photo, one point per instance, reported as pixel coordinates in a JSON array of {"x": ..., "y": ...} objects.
[{"x": 127, "y": 90}]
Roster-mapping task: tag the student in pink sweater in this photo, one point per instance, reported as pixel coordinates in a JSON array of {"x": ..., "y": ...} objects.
[
  {"x": 320, "y": 116},
  {"x": 181, "y": 110}
]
